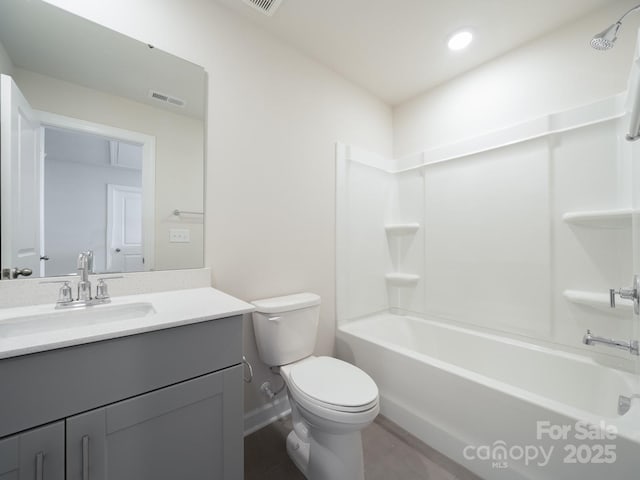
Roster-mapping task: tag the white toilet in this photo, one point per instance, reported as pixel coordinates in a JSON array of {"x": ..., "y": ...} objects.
[{"x": 331, "y": 400}]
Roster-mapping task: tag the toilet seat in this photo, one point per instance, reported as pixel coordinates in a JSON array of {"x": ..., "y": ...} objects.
[{"x": 326, "y": 384}]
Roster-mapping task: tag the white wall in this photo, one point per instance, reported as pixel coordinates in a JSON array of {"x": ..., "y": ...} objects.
[
  {"x": 6, "y": 65},
  {"x": 274, "y": 118},
  {"x": 178, "y": 162},
  {"x": 550, "y": 74}
]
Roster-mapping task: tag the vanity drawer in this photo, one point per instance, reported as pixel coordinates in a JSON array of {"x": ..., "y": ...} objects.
[{"x": 47, "y": 386}]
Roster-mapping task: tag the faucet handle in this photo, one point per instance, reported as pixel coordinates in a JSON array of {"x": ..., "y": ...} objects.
[
  {"x": 102, "y": 291},
  {"x": 65, "y": 294},
  {"x": 631, "y": 293}
]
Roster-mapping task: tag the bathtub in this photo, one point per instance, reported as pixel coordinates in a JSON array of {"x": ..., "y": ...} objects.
[{"x": 503, "y": 408}]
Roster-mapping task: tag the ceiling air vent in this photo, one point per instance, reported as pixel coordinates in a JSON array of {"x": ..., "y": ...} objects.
[
  {"x": 161, "y": 97},
  {"x": 268, "y": 7}
]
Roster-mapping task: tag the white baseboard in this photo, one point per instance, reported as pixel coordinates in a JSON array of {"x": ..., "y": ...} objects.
[{"x": 266, "y": 414}]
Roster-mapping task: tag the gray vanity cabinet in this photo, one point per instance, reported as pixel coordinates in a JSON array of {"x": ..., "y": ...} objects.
[
  {"x": 173, "y": 433},
  {"x": 162, "y": 405},
  {"x": 35, "y": 454}
]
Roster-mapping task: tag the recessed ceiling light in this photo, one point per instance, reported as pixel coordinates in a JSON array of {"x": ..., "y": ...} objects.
[{"x": 460, "y": 40}]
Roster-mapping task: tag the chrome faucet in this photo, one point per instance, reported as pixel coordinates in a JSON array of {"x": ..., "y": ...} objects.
[
  {"x": 631, "y": 346},
  {"x": 85, "y": 267},
  {"x": 84, "y": 298}
]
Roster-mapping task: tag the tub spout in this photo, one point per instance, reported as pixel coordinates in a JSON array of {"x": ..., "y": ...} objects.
[{"x": 631, "y": 346}]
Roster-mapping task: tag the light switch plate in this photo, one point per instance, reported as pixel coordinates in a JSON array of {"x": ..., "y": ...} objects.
[{"x": 179, "y": 235}]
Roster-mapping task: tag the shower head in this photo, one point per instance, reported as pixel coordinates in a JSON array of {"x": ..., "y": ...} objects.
[{"x": 606, "y": 39}]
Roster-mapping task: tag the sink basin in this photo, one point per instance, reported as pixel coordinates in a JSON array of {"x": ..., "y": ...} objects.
[{"x": 64, "y": 320}]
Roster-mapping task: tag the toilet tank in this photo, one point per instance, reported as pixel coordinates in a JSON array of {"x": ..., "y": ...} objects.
[{"x": 286, "y": 327}]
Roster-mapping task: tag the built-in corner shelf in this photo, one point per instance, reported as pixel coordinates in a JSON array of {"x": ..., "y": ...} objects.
[
  {"x": 599, "y": 301},
  {"x": 613, "y": 219},
  {"x": 401, "y": 228},
  {"x": 402, "y": 279}
]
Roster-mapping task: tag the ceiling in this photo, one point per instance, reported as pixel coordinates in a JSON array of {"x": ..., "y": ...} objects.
[{"x": 397, "y": 49}]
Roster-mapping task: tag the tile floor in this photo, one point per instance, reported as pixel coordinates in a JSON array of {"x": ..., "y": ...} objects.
[{"x": 390, "y": 453}]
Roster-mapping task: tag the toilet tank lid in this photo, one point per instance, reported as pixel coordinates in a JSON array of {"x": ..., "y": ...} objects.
[{"x": 286, "y": 303}]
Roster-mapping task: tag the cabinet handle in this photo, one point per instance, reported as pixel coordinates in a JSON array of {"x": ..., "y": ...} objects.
[
  {"x": 85, "y": 457},
  {"x": 39, "y": 466}
]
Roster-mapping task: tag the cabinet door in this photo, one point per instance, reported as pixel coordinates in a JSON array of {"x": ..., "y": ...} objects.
[
  {"x": 36, "y": 454},
  {"x": 189, "y": 431}
]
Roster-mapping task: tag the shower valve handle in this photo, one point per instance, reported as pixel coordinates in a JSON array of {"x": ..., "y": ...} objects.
[{"x": 631, "y": 293}]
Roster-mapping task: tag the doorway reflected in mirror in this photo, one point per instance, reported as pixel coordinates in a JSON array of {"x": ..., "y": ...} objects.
[{"x": 92, "y": 201}]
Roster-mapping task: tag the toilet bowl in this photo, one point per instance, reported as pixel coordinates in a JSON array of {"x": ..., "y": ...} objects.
[{"x": 331, "y": 400}]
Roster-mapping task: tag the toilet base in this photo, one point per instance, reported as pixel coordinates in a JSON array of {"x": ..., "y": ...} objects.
[
  {"x": 298, "y": 452},
  {"x": 327, "y": 457}
]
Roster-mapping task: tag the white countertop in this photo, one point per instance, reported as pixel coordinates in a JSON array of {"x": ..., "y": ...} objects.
[{"x": 172, "y": 309}]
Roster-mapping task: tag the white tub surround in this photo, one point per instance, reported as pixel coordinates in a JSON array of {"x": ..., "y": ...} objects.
[
  {"x": 521, "y": 231},
  {"x": 467, "y": 276},
  {"x": 134, "y": 314}
]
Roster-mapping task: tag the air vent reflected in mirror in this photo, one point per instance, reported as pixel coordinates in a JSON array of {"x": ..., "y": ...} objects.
[
  {"x": 268, "y": 7},
  {"x": 161, "y": 97}
]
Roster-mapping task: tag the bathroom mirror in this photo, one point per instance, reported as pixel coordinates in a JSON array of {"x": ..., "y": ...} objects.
[{"x": 115, "y": 159}]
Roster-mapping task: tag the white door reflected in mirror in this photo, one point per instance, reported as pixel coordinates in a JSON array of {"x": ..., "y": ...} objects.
[
  {"x": 124, "y": 229},
  {"x": 20, "y": 180}
]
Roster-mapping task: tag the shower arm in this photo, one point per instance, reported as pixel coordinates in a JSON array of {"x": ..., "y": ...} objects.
[{"x": 637, "y": 7}]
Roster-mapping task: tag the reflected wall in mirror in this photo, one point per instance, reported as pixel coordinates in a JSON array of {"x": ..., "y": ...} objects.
[{"x": 101, "y": 141}]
